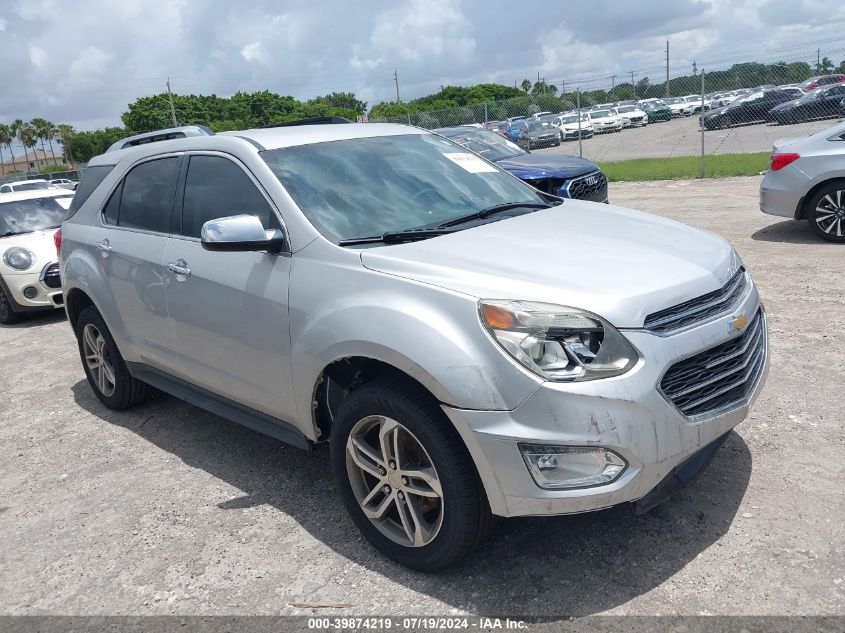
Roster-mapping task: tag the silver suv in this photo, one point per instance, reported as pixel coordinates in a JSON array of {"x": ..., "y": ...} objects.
[{"x": 466, "y": 345}]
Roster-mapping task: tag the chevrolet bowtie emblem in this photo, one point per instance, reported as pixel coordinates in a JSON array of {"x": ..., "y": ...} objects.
[{"x": 737, "y": 323}]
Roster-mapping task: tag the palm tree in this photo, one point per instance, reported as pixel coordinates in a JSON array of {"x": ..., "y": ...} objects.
[
  {"x": 40, "y": 126},
  {"x": 49, "y": 134},
  {"x": 5, "y": 139},
  {"x": 525, "y": 85},
  {"x": 15, "y": 128},
  {"x": 65, "y": 133},
  {"x": 28, "y": 139}
]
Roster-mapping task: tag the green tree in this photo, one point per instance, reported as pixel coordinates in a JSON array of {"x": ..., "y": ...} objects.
[
  {"x": 642, "y": 87},
  {"x": 826, "y": 65},
  {"x": 41, "y": 127},
  {"x": 5, "y": 139},
  {"x": 65, "y": 134},
  {"x": 16, "y": 127},
  {"x": 28, "y": 139},
  {"x": 526, "y": 85}
]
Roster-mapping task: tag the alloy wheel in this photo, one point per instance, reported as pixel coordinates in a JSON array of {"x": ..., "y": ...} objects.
[
  {"x": 830, "y": 213},
  {"x": 97, "y": 359},
  {"x": 394, "y": 481}
]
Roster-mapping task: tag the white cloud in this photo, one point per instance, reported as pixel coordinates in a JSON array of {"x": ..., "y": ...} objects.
[
  {"x": 252, "y": 52},
  {"x": 2, "y": 24},
  {"x": 90, "y": 64},
  {"x": 38, "y": 56}
]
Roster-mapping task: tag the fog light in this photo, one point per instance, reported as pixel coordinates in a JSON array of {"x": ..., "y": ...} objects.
[
  {"x": 30, "y": 293},
  {"x": 567, "y": 467}
]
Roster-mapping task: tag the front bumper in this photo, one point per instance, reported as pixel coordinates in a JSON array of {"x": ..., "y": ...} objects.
[
  {"x": 46, "y": 298},
  {"x": 626, "y": 414}
]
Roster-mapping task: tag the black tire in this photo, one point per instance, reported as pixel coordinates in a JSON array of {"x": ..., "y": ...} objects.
[
  {"x": 466, "y": 517},
  {"x": 830, "y": 220},
  {"x": 8, "y": 316},
  {"x": 128, "y": 391}
]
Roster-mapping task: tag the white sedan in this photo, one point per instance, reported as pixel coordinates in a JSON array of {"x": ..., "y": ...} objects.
[
  {"x": 569, "y": 127},
  {"x": 678, "y": 106},
  {"x": 632, "y": 116},
  {"x": 29, "y": 267},
  {"x": 605, "y": 121}
]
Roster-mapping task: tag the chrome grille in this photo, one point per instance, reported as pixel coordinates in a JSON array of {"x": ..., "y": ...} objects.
[
  {"x": 700, "y": 308},
  {"x": 590, "y": 187},
  {"x": 51, "y": 276},
  {"x": 720, "y": 378}
]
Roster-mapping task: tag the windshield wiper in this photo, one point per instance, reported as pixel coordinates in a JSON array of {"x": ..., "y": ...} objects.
[
  {"x": 396, "y": 237},
  {"x": 488, "y": 211}
]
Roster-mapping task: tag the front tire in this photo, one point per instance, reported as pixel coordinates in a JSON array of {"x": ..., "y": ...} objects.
[
  {"x": 826, "y": 212},
  {"x": 405, "y": 476},
  {"x": 104, "y": 367},
  {"x": 8, "y": 316}
]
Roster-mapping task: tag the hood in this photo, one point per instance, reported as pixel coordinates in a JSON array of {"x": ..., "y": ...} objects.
[
  {"x": 788, "y": 105},
  {"x": 618, "y": 263},
  {"x": 40, "y": 243},
  {"x": 536, "y": 166},
  {"x": 715, "y": 112}
]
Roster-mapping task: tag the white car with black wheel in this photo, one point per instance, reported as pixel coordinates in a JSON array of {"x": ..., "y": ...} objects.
[
  {"x": 632, "y": 116},
  {"x": 29, "y": 267},
  {"x": 678, "y": 106},
  {"x": 570, "y": 128},
  {"x": 605, "y": 121}
]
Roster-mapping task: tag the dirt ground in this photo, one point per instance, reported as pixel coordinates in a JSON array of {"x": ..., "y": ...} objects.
[{"x": 166, "y": 509}]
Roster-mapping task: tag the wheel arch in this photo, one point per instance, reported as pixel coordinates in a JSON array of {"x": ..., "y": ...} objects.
[{"x": 801, "y": 213}]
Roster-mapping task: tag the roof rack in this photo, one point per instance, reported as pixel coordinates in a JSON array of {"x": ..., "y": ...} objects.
[
  {"x": 161, "y": 135},
  {"x": 317, "y": 120}
]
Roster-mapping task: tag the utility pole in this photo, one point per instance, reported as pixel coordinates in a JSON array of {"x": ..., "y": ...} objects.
[
  {"x": 818, "y": 60},
  {"x": 170, "y": 99},
  {"x": 563, "y": 87},
  {"x": 667, "y": 68},
  {"x": 694, "y": 69},
  {"x": 544, "y": 85},
  {"x": 612, "y": 83},
  {"x": 396, "y": 80},
  {"x": 632, "y": 80}
]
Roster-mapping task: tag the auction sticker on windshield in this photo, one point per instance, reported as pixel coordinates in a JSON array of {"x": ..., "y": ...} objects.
[{"x": 472, "y": 163}]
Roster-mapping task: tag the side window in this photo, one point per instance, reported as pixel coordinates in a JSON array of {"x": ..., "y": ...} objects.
[
  {"x": 5, "y": 189},
  {"x": 112, "y": 207},
  {"x": 216, "y": 187},
  {"x": 147, "y": 195},
  {"x": 91, "y": 179}
]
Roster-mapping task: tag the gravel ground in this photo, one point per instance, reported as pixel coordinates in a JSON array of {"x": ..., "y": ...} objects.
[
  {"x": 682, "y": 137},
  {"x": 167, "y": 509}
]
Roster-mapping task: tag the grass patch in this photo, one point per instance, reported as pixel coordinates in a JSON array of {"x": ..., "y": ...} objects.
[{"x": 683, "y": 167}]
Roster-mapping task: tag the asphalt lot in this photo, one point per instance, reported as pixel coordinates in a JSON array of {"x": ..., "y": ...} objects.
[
  {"x": 166, "y": 509},
  {"x": 682, "y": 137}
]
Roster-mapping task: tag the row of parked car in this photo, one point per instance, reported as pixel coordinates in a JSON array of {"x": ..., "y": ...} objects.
[{"x": 35, "y": 184}]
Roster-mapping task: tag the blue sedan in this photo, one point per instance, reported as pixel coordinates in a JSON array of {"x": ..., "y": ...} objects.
[{"x": 557, "y": 174}]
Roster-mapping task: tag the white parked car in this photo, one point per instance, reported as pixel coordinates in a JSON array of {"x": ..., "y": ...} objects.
[
  {"x": 632, "y": 116},
  {"x": 29, "y": 266},
  {"x": 605, "y": 121},
  {"x": 25, "y": 185},
  {"x": 64, "y": 183},
  {"x": 678, "y": 106},
  {"x": 569, "y": 127}
]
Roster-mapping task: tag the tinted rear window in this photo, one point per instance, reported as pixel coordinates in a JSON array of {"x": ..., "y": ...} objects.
[{"x": 91, "y": 179}]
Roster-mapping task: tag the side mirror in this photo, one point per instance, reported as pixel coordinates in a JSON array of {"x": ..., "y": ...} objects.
[{"x": 241, "y": 233}]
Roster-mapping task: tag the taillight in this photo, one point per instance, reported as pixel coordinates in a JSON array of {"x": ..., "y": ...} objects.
[
  {"x": 57, "y": 240},
  {"x": 779, "y": 161}
]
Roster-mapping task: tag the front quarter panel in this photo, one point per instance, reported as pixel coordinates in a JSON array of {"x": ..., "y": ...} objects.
[{"x": 341, "y": 309}]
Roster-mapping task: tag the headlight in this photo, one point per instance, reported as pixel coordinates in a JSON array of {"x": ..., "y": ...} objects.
[
  {"x": 557, "y": 342},
  {"x": 18, "y": 258}
]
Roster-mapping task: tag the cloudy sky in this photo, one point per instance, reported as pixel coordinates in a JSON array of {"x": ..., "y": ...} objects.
[{"x": 82, "y": 62}]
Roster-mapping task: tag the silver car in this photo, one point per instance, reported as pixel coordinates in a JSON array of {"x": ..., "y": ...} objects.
[
  {"x": 807, "y": 182},
  {"x": 468, "y": 346}
]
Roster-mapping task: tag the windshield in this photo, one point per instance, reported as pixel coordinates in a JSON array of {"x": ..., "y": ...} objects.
[
  {"x": 26, "y": 216},
  {"x": 537, "y": 126},
  {"x": 490, "y": 145},
  {"x": 572, "y": 118},
  {"x": 600, "y": 114},
  {"x": 368, "y": 186},
  {"x": 31, "y": 186},
  {"x": 626, "y": 109}
]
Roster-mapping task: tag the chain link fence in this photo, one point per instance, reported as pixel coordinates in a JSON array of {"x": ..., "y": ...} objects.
[{"x": 730, "y": 109}]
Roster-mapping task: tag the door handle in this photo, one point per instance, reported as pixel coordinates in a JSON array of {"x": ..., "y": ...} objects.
[
  {"x": 104, "y": 247},
  {"x": 179, "y": 267}
]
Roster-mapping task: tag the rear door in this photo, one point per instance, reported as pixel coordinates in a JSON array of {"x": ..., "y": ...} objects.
[
  {"x": 229, "y": 310},
  {"x": 128, "y": 244}
]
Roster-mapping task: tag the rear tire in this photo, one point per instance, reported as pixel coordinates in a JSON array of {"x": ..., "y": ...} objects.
[
  {"x": 8, "y": 316},
  {"x": 104, "y": 367},
  {"x": 826, "y": 212},
  {"x": 427, "y": 531}
]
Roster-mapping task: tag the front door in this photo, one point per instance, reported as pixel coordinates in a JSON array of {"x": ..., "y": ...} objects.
[{"x": 228, "y": 311}]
